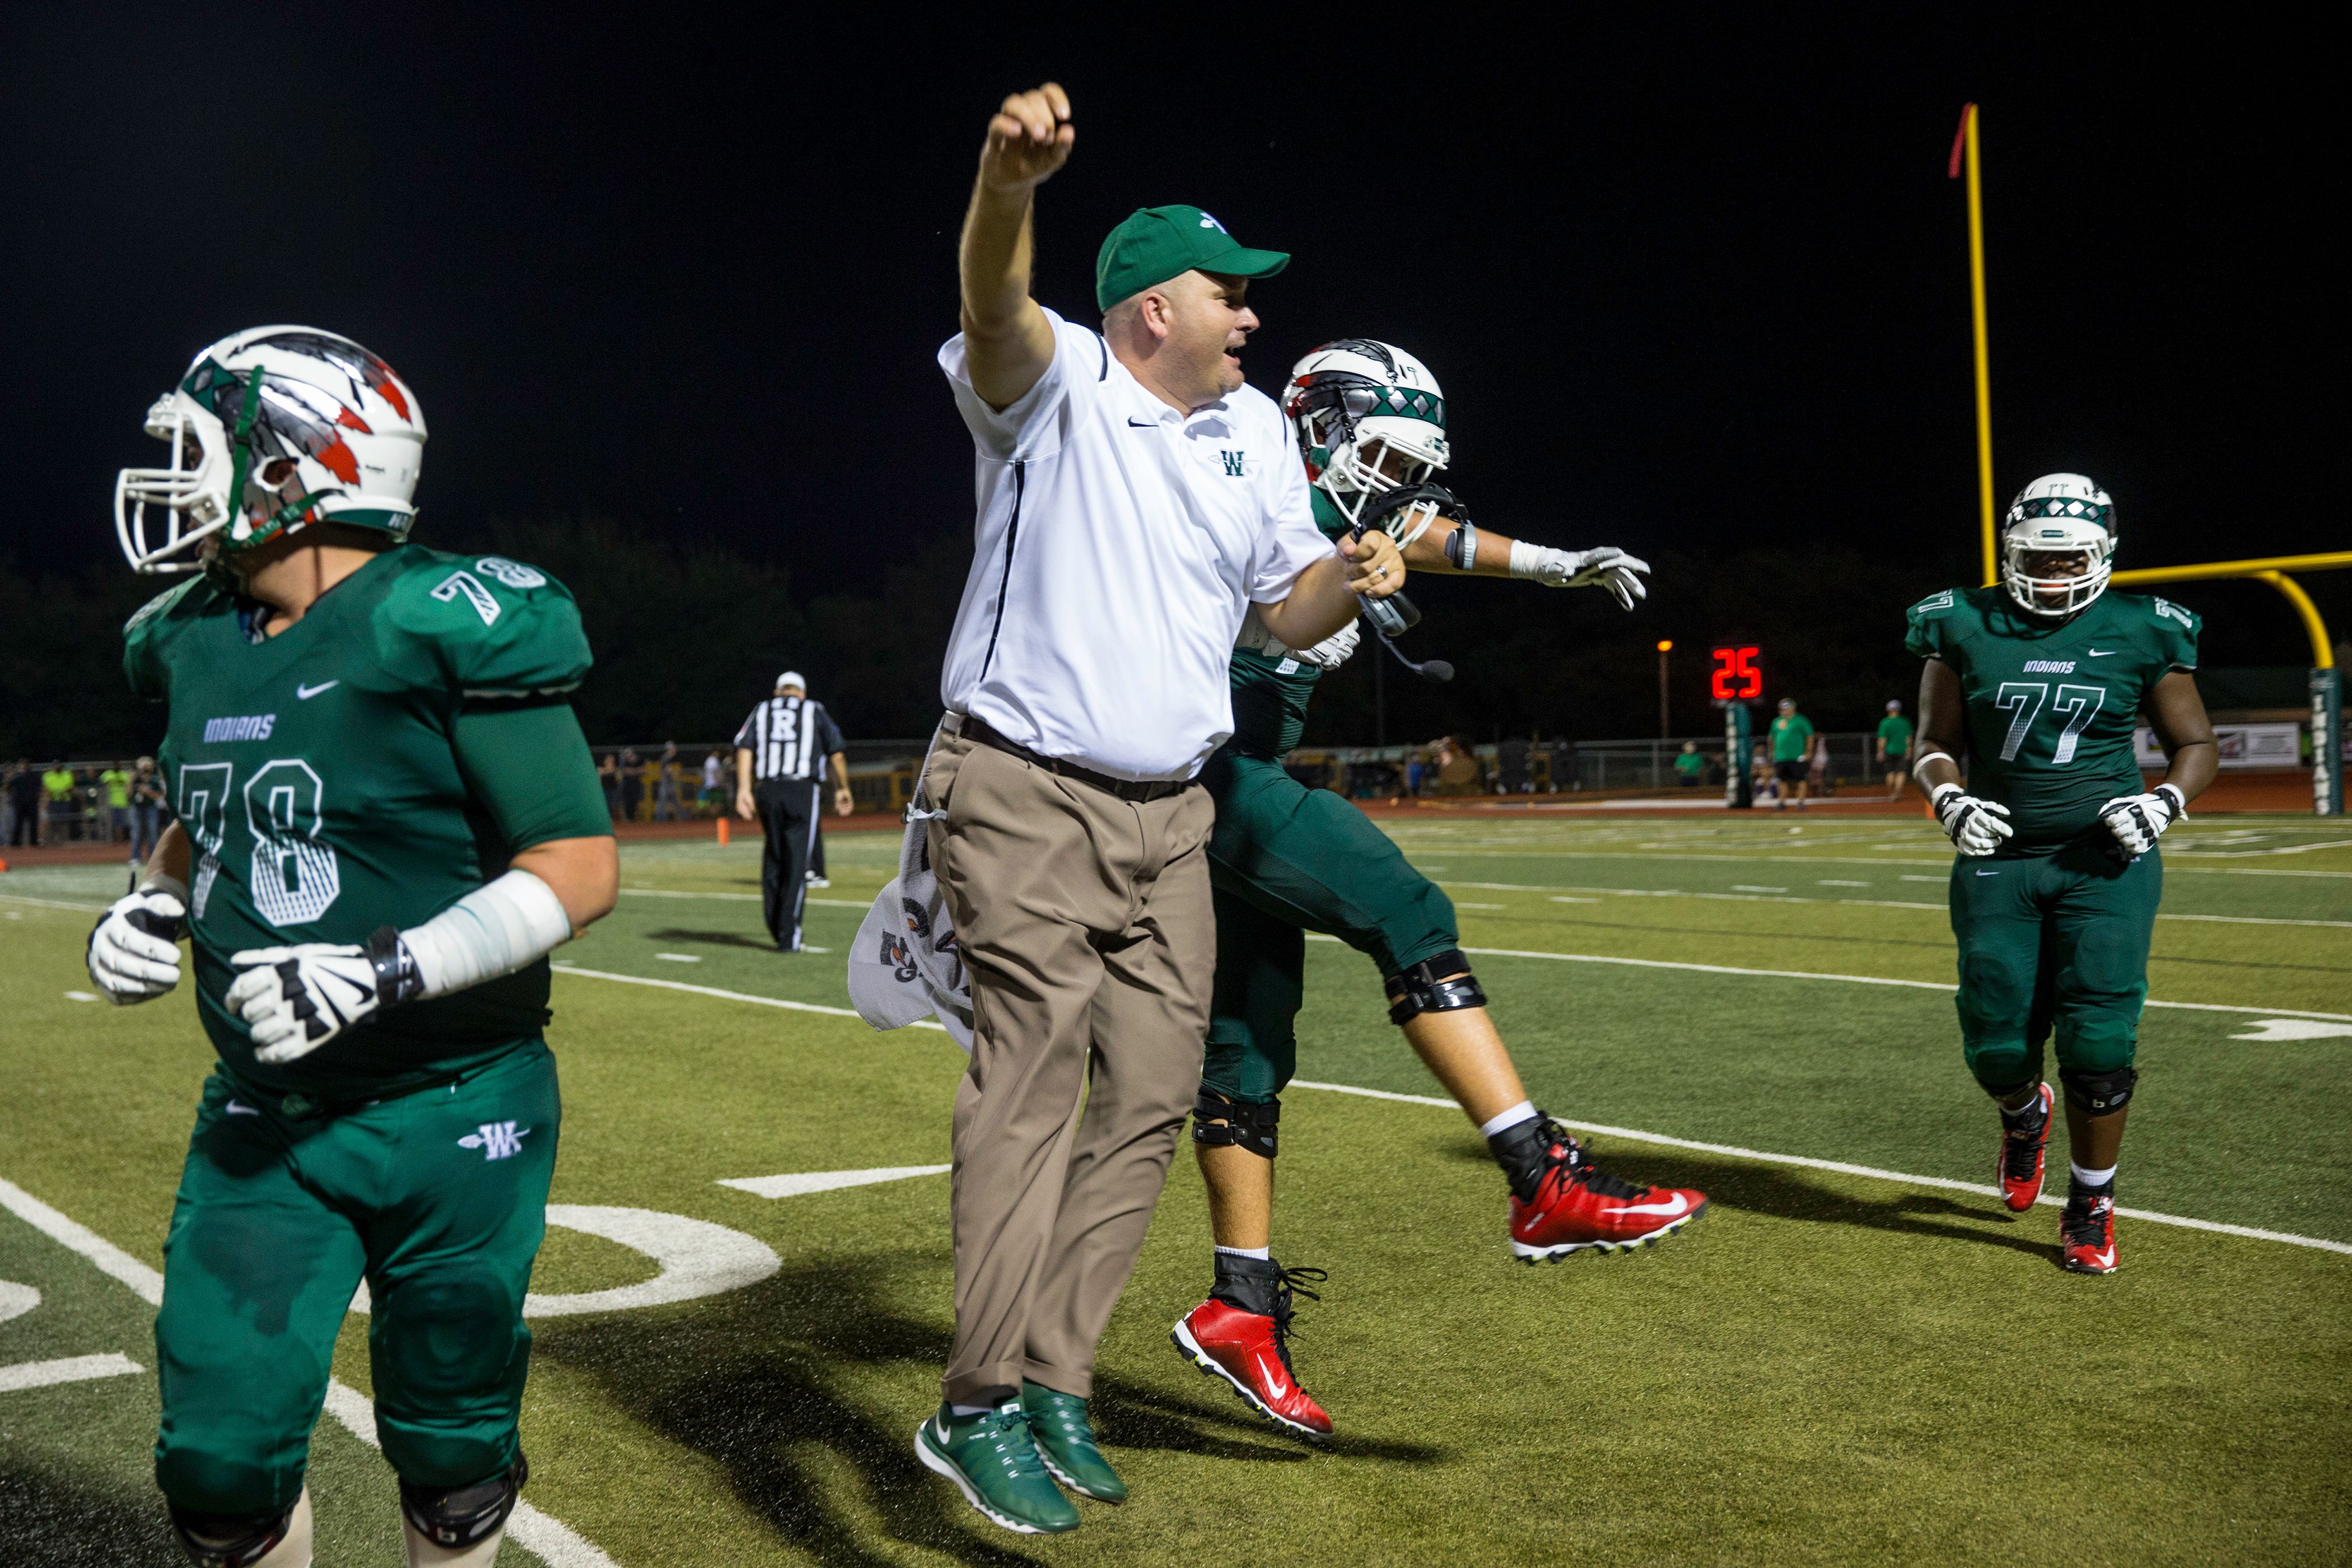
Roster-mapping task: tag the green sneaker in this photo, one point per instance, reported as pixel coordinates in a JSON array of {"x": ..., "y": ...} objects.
[
  {"x": 994, "y": 1461},
  {"x": 1066, "y": 1441}
]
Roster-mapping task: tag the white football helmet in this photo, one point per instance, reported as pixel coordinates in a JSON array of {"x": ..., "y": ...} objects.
[
  {"x": 1369, "y": 418},
  {"x": 2058, "y": 516},
  {"x": 271, "y": 429}
]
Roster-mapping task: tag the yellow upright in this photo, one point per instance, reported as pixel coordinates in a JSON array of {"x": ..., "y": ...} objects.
[{"x": 1984, "y": 372}]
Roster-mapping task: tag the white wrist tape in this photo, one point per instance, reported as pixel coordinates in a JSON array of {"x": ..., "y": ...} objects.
[
  {"x": 164, "y": 882},
  {"x": 495, "y": 930},
  {"x": 1530, "y": 560}
]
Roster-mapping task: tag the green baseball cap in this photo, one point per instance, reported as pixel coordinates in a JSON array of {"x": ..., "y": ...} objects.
[{"x": 1156, "y": 244}]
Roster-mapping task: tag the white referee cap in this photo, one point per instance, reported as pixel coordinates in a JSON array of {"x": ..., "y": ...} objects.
[{"x": 790, "y": 678}]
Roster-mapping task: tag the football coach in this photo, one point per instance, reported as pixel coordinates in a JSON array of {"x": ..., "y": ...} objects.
[{"x": 1135, "y": 499}]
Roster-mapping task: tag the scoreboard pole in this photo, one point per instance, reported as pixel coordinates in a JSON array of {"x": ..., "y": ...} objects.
[{"x": 1738, "y": 788}]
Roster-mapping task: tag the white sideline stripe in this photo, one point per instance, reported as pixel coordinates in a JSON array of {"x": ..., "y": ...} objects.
[
  {"x": 1853, "y": 980},
  {"x": 1752, "y": 896},
  {"x": 1797, "y": 856},
  {"x": 1841, "y": 1168},
  {"x": 70, "y": 1369},
  {"x": 801, "y": 1182},
  {"x": 555, "y": 1542},
  {"x": 52, "y": 903},
  {"x": 739, "y": 897},
  {"x": 747, "y": 997}
]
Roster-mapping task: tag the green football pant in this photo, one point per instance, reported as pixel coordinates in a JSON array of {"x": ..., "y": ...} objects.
[
  {"x": 2045, "y": 941},
  {"x": 1286, "y": 859},
  {"x": 437, "y": 1198}
]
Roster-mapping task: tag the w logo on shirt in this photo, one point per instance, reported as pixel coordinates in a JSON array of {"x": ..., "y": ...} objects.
[
  {"x": 1236, "y": 463},
  {"x": 495, "y": 1140}
]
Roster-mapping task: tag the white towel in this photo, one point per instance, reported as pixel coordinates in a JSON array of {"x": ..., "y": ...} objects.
[{"x": 905, "y": 965}]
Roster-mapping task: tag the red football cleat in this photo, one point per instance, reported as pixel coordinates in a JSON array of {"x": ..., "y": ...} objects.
[
  {"x": 1250, "y": 1351},
  {"x": 1578, "y": 1205},
  {"x": 2023, "y": 1138},
  {"x": 2087, "y": 1231}
]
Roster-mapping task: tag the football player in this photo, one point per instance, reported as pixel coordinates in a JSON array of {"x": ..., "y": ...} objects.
[
  {"x": 385, "y": 817},
  {"x": 2039, "y": 681},
  {"x": 1286, "y": 859}
]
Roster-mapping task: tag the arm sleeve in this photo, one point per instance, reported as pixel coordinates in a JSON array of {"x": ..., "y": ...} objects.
[
  {"x": 486, "y": 629},
  {"x": 743, "y": 736},
  {"x": 828, "y": 732},
  {"x": 1033, "y": 426},
  {"x": 1291, "y": 543},
  {"x": 529, "y": 768}
]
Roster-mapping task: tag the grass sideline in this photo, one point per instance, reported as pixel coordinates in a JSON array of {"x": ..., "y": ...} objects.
[{"x": 1829, "y": 1368}]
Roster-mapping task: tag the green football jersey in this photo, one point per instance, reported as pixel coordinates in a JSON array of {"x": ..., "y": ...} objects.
[
  {"x": 2051, "y": 705},
  {"x": 1270, "y": 695},
  {"x": 317, "y": 777}
]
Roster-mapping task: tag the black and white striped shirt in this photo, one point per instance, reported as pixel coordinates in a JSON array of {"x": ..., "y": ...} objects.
[{"x": 789, "y": 738}]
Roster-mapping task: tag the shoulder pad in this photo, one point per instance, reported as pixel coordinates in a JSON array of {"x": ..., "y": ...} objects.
[
  {"x": 1934, "y": 604},
  {"x": 160, "y": 604},
  {"x": 486, "y": 625}
]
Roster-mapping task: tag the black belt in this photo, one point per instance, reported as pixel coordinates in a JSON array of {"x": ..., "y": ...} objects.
[{"x": 978, "y": 731}]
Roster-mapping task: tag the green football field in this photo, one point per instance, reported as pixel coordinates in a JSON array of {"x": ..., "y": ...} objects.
[{"x": 1856, "y": 1356}]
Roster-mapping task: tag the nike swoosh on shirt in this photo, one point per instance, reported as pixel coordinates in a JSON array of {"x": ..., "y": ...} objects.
[
  {"x": 237, "y": 1110},
  {"x": 1143, "y": 424},
  {"x": 304, "y": 693},
  {"x": 1987, "y": 873},
  {"x": 2103, "y": 652}
]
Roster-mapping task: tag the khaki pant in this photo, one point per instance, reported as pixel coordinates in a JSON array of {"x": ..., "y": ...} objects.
[{"x": 1086, "y": 924}]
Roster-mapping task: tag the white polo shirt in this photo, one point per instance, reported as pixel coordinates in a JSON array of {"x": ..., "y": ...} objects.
[{"x": 1118, "y": 545}]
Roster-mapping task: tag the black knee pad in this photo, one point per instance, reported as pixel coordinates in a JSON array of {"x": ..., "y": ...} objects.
[
  {"x": 457, "y": 1517},
  {"x": 1418, "y": 990},
  {"x": 228, "y": 1540},
  {"x": 2099, "y": 1093},
  {"x": 1217, "y": 1121}
]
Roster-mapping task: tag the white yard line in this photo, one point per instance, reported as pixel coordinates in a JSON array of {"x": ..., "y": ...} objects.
[
  {"x": 554, "y": 1542},
  {"x": 1796, "y": 853},
  {"x": 744, "y": 898},
  {"x": 1839, "y": 1166},
  {"x": 52, "y": 903},
  {"x": 66, "y": 1368},
  {"x": 727, "y": 995}
]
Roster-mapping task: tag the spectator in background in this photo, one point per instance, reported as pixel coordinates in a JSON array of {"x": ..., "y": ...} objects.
[
  {"x": 1894, "y": 749},
  {"x": 146, "y": 809},
  {"x": 632, "y": 784},
  {"x": 1511, "y": 767},
  {"x": 58, "y": 804},
  {"x": 1763, "y": 778},
  {"x": 666, "y": 803},
  {"x": 1690, "y": 768},
  {"x": 714, "y": 777},
  {"x": 20, "y": 805},
  {"x": 608, "y": 774},
  {"x": 1792, "y": 752},
  {"x": 116, "y": 786},
  {"x": 1818, "y": 767}
]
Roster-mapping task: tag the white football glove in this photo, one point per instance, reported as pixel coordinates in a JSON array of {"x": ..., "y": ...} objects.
[
  {"x": 2137, "y": 821},
  {"x": 1975, "y": 826},
  {"x": 1334, "y": 650},
  {"x": 1605, "y": 567},
  {"x": 296, "y": 999},
  {"x": 134, "y": 954}
]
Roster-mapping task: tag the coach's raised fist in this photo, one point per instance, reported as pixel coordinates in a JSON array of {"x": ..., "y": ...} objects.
[{"x": 1028, "y": 139}]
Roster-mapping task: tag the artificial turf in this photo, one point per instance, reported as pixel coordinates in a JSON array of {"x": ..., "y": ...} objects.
[{"x": 1828, "y": 1368}]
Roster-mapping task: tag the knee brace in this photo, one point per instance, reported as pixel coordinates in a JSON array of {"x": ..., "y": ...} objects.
[
  {"x": 1418, "y": 990},
  {"x": 1217, "y": 1121},
  {"x": 457, "y": 1517},
  {"x": 2099, "y": 1093},
  {"x": 230, "y": 1539}
]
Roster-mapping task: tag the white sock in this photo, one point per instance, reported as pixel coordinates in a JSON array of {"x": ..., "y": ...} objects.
[
  {"x": 2092, "y": 1178},
  {"x": 1525, "y": 1110},
  {"x": 965, "y": 1412},
  {"x": 1263, "y": 1254}
]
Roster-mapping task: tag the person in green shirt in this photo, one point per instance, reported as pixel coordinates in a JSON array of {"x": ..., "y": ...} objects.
[
  {"x": 57, "y": 807},
  {"x": 116, "y": 783},
  {"x": 1793, "y": 752},
  {"x": 1690, "y": 768},
  {"x": 385, "y": 817},
  {"x": 1894, "y": 749}
]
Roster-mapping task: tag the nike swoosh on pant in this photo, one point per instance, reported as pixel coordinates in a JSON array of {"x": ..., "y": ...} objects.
[{"x": 237, "y": 1110}]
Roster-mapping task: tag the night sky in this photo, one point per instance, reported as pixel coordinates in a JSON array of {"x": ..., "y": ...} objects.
[{"x": 1691, "y": 279}]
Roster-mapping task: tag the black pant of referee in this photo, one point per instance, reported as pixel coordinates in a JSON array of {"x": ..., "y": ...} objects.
[{"x": 788, "y": 811}]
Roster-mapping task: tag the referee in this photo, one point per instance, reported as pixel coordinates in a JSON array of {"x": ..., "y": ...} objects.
[{"x": 781, "y": 754}]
